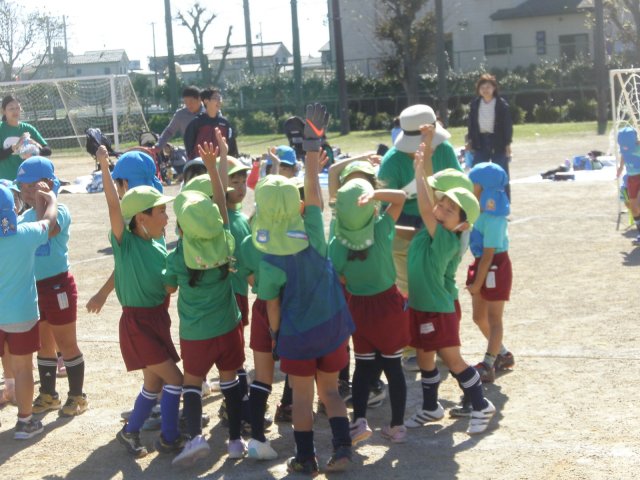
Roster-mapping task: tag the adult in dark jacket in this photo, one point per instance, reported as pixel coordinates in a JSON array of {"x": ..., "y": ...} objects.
[
  {"x": 202, "y": 128},
  {"x": 490, "y": 129}
]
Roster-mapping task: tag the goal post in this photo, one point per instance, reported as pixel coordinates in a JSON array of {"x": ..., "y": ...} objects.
[
  {"x": 625, "y": 112},
  {"x": 61, "y": 109}
]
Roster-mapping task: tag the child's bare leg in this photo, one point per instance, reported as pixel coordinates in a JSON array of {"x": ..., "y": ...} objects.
[
  {"x": 22, "y": 368},
  {"x": 481, "y": 314},
  {"x": 6, "y": 363},
  {"x": 496, "y": 310},
  {"x": 328, "y": 393},
  {"x": 303, "y": 395}
]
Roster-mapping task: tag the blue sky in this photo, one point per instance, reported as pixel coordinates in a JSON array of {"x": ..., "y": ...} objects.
[{"x": 127, "y": 24}]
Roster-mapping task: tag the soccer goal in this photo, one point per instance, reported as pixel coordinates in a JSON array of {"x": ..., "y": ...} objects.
[
  {"x": 61, "y": 109},
  {"x": 625, "y": 111}
]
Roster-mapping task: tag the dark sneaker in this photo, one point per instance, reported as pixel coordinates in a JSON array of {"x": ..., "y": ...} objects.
[
  {"x": 504, "y": 362},
  {"x": 283, "y": 414},
  {"x": 27, "y": 430},
  {"x": 340, "y": 460},
  {"x": 377, "y": 394},
  {"x": 487, "y": 373},
  {"x": 308, "y": 466},
  {"x": 462, "y": 410},
  {"x": 132, "y": 443},
  {"x": 162, "y": 446}
]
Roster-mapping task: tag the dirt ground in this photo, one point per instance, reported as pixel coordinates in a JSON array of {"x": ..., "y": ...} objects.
[{"x": 567, "y": 411}]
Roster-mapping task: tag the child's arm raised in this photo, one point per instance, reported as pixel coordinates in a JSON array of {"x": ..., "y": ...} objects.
[
  {"x": 425, "y": 205},
  {"x": 208, "y": 154},
  {"x": 334, "y": 174},
  {"x": 316, "y": 122},
  {"x": 47, "y": 203},
  {"x": 275, "y": 160},
  {"x": 395, "y": 199},
  {"x": 223, "y": 168},
  {"x": 113, "y": 203}
]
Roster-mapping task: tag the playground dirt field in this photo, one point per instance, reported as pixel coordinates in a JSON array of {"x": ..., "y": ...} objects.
[{"x": 567, "y": 411}]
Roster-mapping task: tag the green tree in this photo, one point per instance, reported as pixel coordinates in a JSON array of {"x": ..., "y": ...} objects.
[
  {"x": 198, "y": 20},
  {"x": 625, "y": 16},
  {"x": 409, "y": 29}
]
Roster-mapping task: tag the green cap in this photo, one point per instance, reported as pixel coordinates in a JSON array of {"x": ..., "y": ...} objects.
[
  {"x": 358, "y": 166},
  {"x": 449, "y": 178},
  {"x": 465, "y": 199},
  {"x": 139, "y": 199},
  {"x": 206, "y": 243},
  {"x": 234, "y": 166},
  {"x": 278, "y": 227},
  {"x": 354, "y": 224},
  {"x": 201, "y": 183}
]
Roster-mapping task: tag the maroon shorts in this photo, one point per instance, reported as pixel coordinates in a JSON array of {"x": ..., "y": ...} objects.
[
  {"x": 456, "y": 305},
  {"x": 433, "y": 331},
  {"x": 145, "y": 337},
  {"x": 497, "y": 285},
  {"x": 225, "y": 352},
  {"x": 24, "y": 343},
  {"x": 243, "y": 305},
  {"x": 633, "y": 186},
  {"x": 382, "y": 323},
  {"x": 58, "y": 299},
  {"x": 260, "y": 339},
  {"x": 329, "y": 363}
]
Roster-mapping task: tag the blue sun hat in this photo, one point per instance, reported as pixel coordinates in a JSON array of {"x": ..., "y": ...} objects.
[
  {"x": 8, "y": 217},
  {"x": 493, "y": 180},
  {"x": 137, "y": 168},
  {"x": 286, "y": 154},
  {"x": 35, "y": 169}
]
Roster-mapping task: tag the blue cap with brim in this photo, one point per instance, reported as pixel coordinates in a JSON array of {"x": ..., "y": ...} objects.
[
  {"x": 8, "y": 217},
  {"x": 493, "y": 179},
  {"x": 35, "y": 169},
  {"x": 138, "y": 169},
  {"x": 9, "y": 184},
  {"x": 627, "y": 139},
  {"x": 287, "y": 156}
]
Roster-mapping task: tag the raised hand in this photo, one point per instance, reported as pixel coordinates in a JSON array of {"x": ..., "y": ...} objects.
[
  {"x": 223, "y": 148},
  {"x": 316, "y": 121},
  {"x": 209, "y": 154}
]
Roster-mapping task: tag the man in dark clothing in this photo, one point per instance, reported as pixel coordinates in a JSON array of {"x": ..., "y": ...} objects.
[{"x": 202, "y": 128}]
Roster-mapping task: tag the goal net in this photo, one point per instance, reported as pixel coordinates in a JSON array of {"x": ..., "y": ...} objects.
[
  {"x": 625, "y": 111},
  {"x": 61, "y": 109}
]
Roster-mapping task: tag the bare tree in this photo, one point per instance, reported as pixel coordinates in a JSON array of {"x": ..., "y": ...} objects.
[
  {"x": 23, "y": 33},
  {"x": 410, "y": 31},
  {"x": 198, "y": 20},
  {"x": 625, "y": 16}
]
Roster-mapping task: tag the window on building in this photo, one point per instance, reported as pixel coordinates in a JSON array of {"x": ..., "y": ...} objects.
[
  {"x": 572, "y": 46},
  {"x": 541, "y": 43},
  {"x": 497, "y": 44},
  {"x": 107, "y": 70}
]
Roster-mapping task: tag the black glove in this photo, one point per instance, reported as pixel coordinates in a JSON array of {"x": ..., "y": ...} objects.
[{"x": 315, "y": 125}]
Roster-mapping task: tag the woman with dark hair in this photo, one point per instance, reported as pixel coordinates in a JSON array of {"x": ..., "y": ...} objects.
[
  {"x": 14, "y": 136},
  {"x": 490, "y": 129}
]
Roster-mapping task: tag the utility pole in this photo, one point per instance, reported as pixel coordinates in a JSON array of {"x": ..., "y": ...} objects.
[
  {"x": 340, "y": 73},
  {"x": 600, "y": 65},
  {"x": 173, "y": 83},
  {"x": 443, "y": 96},
  {"x": 155, "y": 59},
  {"x": 297, "y": 63},
  {"x": 66, "y": 52},
  {"x": 247, "y": 35}
]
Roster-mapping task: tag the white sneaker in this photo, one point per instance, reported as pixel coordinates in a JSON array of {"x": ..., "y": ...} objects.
[
  {"x": 261, "y": 450},
  {"x": 480, "y": 419},
  {"x": 397, "y": 434},
  {"x": 236, "y": 448},
  {"x": 359, "y": 431},
  {"x": 422, "y": 417},
  {"x": 193, "y": 450}
]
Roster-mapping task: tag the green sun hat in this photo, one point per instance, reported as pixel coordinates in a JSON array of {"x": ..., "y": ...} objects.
[
  {"x": 201, "y": 183},
  {"x": 449, "y": 178},
  {"x": 234, "y": 166},
  {"x": 354, "y": 224},
  {"x": 465, "y": 199},
  {"x": 358, "y": 166},
  {"x": 278, "y": 228},
  {"x": 139, "y": 199},
  {"x": 206, "y": 243}
]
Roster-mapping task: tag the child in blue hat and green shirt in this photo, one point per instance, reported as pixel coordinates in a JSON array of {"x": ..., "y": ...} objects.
[
  {"x": 19, "y": 297},
  {"x": 307, "y": 312},
  {"x": 489, "y": 278}
]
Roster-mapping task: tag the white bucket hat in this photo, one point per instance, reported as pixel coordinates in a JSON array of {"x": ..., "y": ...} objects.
[{"x": 411, "y": 118}]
